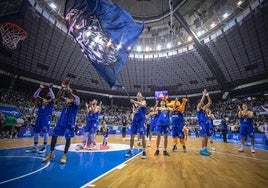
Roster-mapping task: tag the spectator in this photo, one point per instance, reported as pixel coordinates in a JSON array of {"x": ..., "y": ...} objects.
[
  {"x": 224, "y": 129},
  {"x": 2, "y": 118},
  {"x": 9, "y": 124}
]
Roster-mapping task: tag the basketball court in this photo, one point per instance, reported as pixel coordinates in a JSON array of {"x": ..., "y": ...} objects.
[{"x": 108, "y": 166}]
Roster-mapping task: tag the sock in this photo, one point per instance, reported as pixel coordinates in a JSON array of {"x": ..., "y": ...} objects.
[
  {"x": 36, "y": 137},
  {"x": 53, "y": 143},
  {"x": 67, "y": 145},
  {"x": 46, "y": 136}
]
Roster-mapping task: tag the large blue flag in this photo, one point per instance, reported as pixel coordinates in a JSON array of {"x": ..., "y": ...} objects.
[{"x": 106, "y": 34}]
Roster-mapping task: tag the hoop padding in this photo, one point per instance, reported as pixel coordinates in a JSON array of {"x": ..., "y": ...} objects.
[{"x": 12, "y": 34}]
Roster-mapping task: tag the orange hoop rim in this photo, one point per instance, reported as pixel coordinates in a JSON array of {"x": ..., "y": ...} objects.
[{"x": 25, "y": 34}]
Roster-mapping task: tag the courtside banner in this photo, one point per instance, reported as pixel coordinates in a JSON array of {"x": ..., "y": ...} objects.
[{"x": 9, "y": 110}]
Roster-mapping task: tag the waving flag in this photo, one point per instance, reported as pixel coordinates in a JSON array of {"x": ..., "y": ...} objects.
[{"x": 106, "y": 34}]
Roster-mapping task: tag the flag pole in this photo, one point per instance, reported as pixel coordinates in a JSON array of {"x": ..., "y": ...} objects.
[{"x": 126, "y": 92}]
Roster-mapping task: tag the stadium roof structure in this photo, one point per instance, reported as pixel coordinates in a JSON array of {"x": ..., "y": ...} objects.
[{"x": 186, "y": 46}]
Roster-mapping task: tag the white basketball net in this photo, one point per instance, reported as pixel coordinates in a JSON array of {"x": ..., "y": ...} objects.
[{"x": 11, "y": 35}]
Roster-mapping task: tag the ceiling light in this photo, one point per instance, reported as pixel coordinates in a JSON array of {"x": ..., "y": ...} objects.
[
  {"x": 168, "y": 45},
  {"x": 52, "y": 5},
  {"x": 119, "y": 46},
  {"x": 139, "y": 48},
  {"x": 199, "y": 33},
  {"x": 147, "y": 48},
  {"x": 225, "y": 15},
  {"x": 158, "y": 47},
  {"x": 129, "y": 48},
  {"x": 212, "y": 25},
  {"x": 189, "y": 38},
  {"x": 179, "y": 43},
  {"x": 239, "y": 3}
]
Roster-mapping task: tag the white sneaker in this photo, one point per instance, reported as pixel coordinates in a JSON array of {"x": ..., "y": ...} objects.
[
  {"x": 149, "y": 144},
  {"x": 252, "y": 151},
  {"x": 43, "y": 150},
  {"x": 241, "y": 150},
  {"x": 213, "y": 149}
]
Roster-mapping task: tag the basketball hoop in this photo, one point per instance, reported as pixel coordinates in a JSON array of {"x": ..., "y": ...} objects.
[{"x": 12, "y": 34}]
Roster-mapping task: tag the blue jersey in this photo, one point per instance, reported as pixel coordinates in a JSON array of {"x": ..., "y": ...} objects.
[
  {"x": 45, "y": 110},
  {"x": 106, "y": 133},
  {"x": 177, "y": 119},
  {"x": 163, "y": 118},
  {"x": 69, "y": 112},
  {"x": 246, "y": 121},
  {"x": 140, "y": 114},
  {"x": 153, "y": 120},
  {"x": 202, "y": 116},
  {"x": 210, "y": 124},
  {"x": 93, "y": 117}
]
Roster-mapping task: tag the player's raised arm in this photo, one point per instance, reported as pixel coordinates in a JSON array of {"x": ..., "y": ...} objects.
[
  {"x": 201, "y": 102},
  {"x": 209, "y": 101}
]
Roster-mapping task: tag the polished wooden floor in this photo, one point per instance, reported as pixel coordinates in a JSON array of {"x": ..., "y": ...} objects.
[{"x": 226, "y": 167}]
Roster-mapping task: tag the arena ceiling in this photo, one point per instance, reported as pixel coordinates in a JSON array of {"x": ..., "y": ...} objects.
[{"x": 233, "y": 32}]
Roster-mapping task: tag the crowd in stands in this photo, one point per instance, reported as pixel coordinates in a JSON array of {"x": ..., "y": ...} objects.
[{"x": 111, "y": 115}]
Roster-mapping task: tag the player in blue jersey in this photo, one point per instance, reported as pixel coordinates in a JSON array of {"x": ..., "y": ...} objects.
[
  {"x": 105, "y": 134},
  {"x": 66, "y": 123},
  {"x": 152, "y": 117},
  {"x": 246, "y": 127},
  {"x": 138, "y": 123},
  {"x": 203, "y": 122},
  {"x": 162, "y": 125},
  {"x": 93, "y": 110},
  {"x": 42, "y": 123},
  {"x": 211, "y": 117},
  {"x": 178, "y": 123}
]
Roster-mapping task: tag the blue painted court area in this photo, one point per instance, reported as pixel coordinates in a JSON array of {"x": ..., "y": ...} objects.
[{"x": 19, "y": 169}]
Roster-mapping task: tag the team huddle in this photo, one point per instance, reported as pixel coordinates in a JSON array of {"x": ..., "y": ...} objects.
[{"x": 160, "y": 117}]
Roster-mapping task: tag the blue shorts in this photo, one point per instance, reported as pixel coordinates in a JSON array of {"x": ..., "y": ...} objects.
[
  {"x": 138, "y": 126},
  {"x": 162, "y": 129},
  {"x": 42, "y": 124},
  {"x": 246, "y": 130},
  {"x": 152, "y": 128},
  {"x": 204, "y": 129},
  {"x": 177, "y": 131},
  {"x": 91, "y": 127},
  {"x": 64, "y": 130}
]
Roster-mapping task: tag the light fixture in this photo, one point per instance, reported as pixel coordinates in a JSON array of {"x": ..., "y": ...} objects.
[
  {"x": 168, "y": 45},
  {"x": 225, "y": 15},
  {"x": 179, "y": 43},
  {"x": 189, "y": 38},
  {"x": 139, "y": 48},
  {"x": 118, "y": 46},
  {"x": 239, "y": 3},
  {"x": 52, "y": 5},
  {"x": 147, "y": 48},
  {"x": 199, "y": 33},
  {"x": 212, "y": 25},
  {"x": 129, "y": 48},
  {"x": 158, "y": 47}
]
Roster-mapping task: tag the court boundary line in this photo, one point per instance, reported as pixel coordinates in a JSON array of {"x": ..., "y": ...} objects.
[
  {"x": 22, "y": 176},
  {"x": 257, "y": 159},
  {"x": 115, "y": 168}
]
